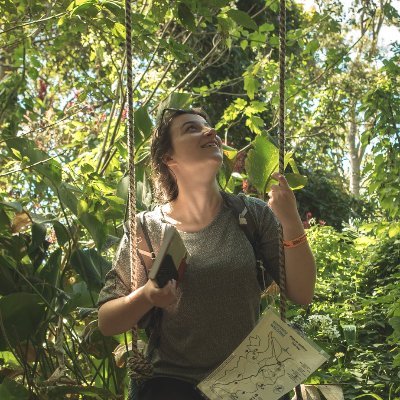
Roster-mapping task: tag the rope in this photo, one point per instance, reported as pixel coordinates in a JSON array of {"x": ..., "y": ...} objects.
[
  {"x": 282, "y": 56},
  {"x": 282, "y": 70},
  {"x": 138, "y": 366}
]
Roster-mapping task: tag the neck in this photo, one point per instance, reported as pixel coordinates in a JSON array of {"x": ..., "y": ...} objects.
[{"x": 197, "y": 204}]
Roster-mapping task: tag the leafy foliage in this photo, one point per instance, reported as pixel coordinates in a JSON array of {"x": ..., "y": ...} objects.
[{"x": 63, "y": 157}]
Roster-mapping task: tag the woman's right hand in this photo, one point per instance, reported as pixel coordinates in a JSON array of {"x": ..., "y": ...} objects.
[{"x": 161, "y": 297}]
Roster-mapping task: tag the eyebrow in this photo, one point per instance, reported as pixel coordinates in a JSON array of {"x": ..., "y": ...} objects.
[{"x": 195, "y": 122}]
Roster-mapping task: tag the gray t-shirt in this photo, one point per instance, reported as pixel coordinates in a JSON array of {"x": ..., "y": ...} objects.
[{"x": 219, "y": 294}]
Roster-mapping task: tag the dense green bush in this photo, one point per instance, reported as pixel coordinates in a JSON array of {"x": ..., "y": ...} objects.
[{"x": 356, "y": 311}]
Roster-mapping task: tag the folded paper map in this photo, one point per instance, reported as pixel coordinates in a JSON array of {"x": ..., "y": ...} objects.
[{"x": 270, "y": 362}]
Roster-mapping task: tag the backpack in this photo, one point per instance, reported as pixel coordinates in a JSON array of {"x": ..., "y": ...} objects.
[{"x": 248, "y": 225}]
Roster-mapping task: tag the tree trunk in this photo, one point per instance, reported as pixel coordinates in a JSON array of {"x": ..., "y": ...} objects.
[{"x": 355, "y": 154}]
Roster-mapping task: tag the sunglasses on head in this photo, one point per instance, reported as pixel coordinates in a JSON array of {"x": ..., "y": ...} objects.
[{"x": 168, "y": 113}]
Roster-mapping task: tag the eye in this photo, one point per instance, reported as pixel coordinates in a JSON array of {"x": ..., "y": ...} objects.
[{"x": 192, "y": 128}]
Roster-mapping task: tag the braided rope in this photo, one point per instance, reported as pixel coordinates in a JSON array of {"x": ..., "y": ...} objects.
[
  {"x": 282, "y": 70},
  {"x": 282, "y": 56},
  {"x": 138, "y": 366}
]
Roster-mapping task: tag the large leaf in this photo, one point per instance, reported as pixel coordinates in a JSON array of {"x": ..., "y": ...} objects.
[
  {"x": 176, "y": 100},
  {"x": 79, "y": 297},
  {"x": 26, "y": 151},
  {"x": 51, "y": 270},
  {"x": 296, "y": 181},
  {"x": 61, "y": 233},
  {"x": 96, "y": 228},
  {"x": 11, "y": 390},
  {"x": 21, "y": 314},
  {"x": 143, "y": 124},
  {"x": 67, "y": 197},
  {"x": 91, "y": 266},
  {"x": 186, "y": 16},
  {"x": 38, "y": 236},
  {"x": 7, "y": 276},
  {"x": 243, "y": 19},
  {"x": 261, "y": 162}
]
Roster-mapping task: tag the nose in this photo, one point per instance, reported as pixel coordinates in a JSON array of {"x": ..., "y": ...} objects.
[{"x": 209, "y": 131}]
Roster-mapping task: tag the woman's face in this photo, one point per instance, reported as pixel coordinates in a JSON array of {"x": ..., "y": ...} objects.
[{"x": 194, "y": 144}]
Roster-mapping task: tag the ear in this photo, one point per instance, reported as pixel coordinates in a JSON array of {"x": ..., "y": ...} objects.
[{"x": 168, "y": 160}]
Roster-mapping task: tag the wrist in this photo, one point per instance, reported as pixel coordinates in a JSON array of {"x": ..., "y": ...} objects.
[
  {"x": 292, "y": 223},
  {"x": 140, "y": 294}
]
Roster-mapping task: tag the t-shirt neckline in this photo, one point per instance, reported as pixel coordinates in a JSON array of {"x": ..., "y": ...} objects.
[{"x": 220, "y": 212}]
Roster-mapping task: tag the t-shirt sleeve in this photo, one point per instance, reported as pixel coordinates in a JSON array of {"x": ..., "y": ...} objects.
[
  {"x": 268, "y": 230},
  {"x": 118, "y": 279}
]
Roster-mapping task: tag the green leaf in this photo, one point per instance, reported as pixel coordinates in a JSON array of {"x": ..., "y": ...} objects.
[
  {"x": 176, "y": 100},
  {"x": 13, "y": 204},
  {"x": 80, "y": 297},
  {"x": 266, "y": 27},
  {"x": 395, "y": 323},
  {"x": 7, "y": 277},
  {"x": 50, "y": 168},
  {"x": 38, "y": 236},
  {"x": 83, "y": 207},
  {"x": 274, "y": 41},
  {"x": 296, "y": 181},
  {"x": 394, "y": 230},
  {"x": 350, "y": 334},
  {"x": 261, "y": 162},
  {"x": 143, "y": 122},
  {"x": 115, "y": 8},
  {"x": 67, "y": 197},
  {"x": 91, "y": 267},
  {"x": 312, "y": 46},
  {"x": 244, "y": 44},
  {"x": 21, "y": 314},
  {"x": 81, "y": 7},
  {"x": 229, "y": 152},
  {"x": 96, "y": 228},
  {"x": 123, "y": 188},
  {"x": 61, "y": 233},
  {"x": 51, "y": 270},
  {"x": 186, "y": 16},
  {"x": 250, "y": 85},
  {"x": 373, "y": 395},
  {"x": 119, "y": 30},
  {"x": 11, "y": 390},
  {"x": 243, "y": 19}
]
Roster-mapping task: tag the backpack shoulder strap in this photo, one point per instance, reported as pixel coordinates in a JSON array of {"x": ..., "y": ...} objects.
[
  {"x": 246, "y": 221},
  {"x": 249, "y": 227}
]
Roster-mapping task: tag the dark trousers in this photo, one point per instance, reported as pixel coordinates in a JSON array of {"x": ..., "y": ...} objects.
[
  {"x": 172, "y": 389},
  {"x": 168, "y": 389}
]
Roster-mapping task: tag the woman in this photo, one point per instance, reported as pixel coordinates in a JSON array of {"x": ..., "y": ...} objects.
[{"x": 217, "y": 303}]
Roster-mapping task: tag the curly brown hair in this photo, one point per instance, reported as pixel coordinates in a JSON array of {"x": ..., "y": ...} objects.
[{"x": 164, "y": 182}]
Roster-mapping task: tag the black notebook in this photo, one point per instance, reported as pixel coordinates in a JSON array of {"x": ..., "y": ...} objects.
[{"x": 170, "y": 262}]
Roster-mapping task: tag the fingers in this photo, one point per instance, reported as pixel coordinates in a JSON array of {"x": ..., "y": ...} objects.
[
  {"x": 165, "y": 296},
  {"x": 283, "y": 183}
]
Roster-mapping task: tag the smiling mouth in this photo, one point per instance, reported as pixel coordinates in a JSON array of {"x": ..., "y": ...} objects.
[{"x": 212, "y": 144}]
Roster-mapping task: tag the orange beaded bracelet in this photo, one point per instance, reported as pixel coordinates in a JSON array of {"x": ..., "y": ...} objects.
[{"x": 295, "y": 242}]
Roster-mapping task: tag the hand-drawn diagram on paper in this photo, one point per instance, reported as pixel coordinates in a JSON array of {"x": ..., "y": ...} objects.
[{"x": 267, "y": 364}]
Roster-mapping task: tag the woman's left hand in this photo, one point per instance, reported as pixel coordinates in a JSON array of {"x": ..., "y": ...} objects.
[{"x": 282, "y": 201}]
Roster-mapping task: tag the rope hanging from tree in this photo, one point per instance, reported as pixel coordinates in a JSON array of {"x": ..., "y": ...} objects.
[
  {"x": 282, "y": 69},
  {"x": 138, "y": 366}
]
